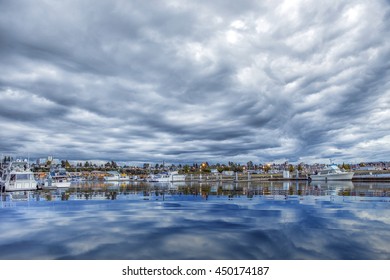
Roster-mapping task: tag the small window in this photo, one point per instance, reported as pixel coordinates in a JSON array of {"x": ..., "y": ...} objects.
[{"x": 22, "y": 176}]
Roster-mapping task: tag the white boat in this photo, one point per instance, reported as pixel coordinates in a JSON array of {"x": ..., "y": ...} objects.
[
  {"x": 115, "y": 176},
  {"x": 332, "y": 172},
  {"x": 370, "y": 176},
  {"x": 124, "y": 177},
  {"x": 112, "y": 176},
  {"x": 18, "y": 177},
  {"x": 57, "y": 182},
  {"x": 77, "y": 179},
  {"x": 57, "y": 179},
  {"x": 149, "y": 178},
  {"x": 167, "y": 177}
]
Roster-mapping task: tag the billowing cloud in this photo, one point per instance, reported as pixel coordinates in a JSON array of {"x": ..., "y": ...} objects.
[{"x": 187, "y": 81}]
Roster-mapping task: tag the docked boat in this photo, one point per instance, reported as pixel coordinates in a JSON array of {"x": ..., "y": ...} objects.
[
  {"x": 115, "y": 176},
  {"x": 77, "y": 179},
  {"x": 112, "y": 176},
  {"x": 167, "y": 177},
  {"x": 149, "y": 178},
  {"x": 57, "y": 182},
  {"x": 124, "y": 177},
  {"x": 57, "y": 179},
  {"x": 18, "y": 177},
  {"x": 332, "y": 172}
]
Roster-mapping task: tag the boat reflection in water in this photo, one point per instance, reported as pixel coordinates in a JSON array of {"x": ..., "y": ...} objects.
[{"x": 140, "y": 220}]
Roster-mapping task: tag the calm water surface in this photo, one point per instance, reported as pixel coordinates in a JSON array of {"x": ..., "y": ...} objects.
[{"x": 200, "y": 221}]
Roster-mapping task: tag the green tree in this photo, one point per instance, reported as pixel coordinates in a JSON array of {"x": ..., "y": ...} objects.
[
  {"x": 249, "y": 164},
  {"x": 345, "y": 166},
  {"x": 267, "y": 168},
  {"x": 186, "y": 168}
]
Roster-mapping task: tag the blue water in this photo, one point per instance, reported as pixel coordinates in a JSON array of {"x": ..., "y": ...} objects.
[{"x": 194, "y": 226}]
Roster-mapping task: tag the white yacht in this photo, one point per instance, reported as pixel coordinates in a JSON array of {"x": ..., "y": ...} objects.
[
  {"x": 57, "y": 182},
  {"x": 112, "y": 176},
  {"x": 57, "y": 179},
  {"x": 115, "y": 176},
  {"x": 18, "y": 177},
  {"x": 332, "y": 172},
  {"x": 168, "y": 177},
  {"x": 124, "y": 177}
]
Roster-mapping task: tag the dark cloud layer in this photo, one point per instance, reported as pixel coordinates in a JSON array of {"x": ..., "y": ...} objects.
[{"x": 193, "y": 80}]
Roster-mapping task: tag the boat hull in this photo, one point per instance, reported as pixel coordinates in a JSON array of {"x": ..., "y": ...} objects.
[
  {"x": 29, "y": 187},
  {"x": 168, "y": 180},
  {"x": 111, "y": 178},
  {"x": 61, "y": 184},
  {"x": 116, "y": 179},
  {"x": 332, "y": 177}
]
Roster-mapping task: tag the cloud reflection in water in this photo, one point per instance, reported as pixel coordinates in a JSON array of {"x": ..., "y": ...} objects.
[{"x": 230, "y": 229}]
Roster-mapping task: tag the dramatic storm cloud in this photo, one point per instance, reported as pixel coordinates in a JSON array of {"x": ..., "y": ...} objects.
[{"x": 195, "y": 80}]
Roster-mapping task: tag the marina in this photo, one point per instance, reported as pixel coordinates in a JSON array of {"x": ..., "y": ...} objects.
[{"x": 23, "y": 179}]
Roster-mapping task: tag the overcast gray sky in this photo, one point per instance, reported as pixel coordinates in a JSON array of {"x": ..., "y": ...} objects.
[{"x": 187, "y": 81}]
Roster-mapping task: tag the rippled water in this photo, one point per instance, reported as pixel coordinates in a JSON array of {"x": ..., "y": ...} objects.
[{"x": 223, "y": 221}]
